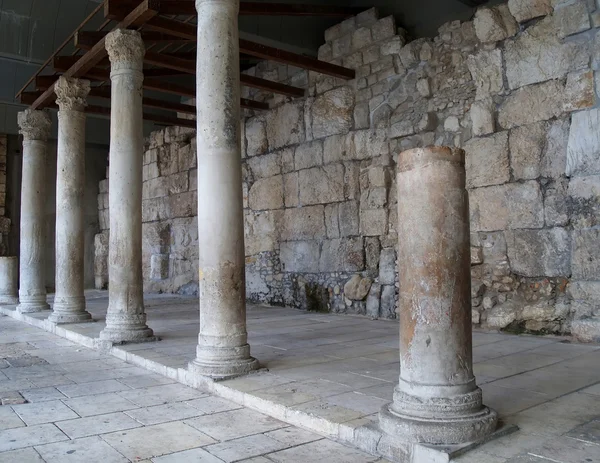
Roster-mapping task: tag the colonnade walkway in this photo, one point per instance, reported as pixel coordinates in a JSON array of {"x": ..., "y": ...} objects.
[{"x": 331, "y": 374}]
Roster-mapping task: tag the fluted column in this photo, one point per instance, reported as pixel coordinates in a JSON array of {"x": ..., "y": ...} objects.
[
  {"x": 125, "y": 319},
  {"x": 436, "y": 400},
  {"x": 223, "y": 349},
  {"x": 69, "y": 301},
  {"x": 35, "y": 128}
]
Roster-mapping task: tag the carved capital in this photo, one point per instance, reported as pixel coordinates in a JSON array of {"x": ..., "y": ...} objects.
[
  {"x": 125, "y": 49},
  {"x": 71, "y": 94},
  {"x": 34, "y": 124}
]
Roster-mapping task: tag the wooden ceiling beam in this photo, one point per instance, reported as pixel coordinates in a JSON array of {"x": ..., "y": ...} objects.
[
  {"x": 142, "y": 13},
  {"x": 87, "y": 39}
]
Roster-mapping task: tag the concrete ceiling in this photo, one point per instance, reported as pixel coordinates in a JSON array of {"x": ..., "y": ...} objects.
[{"x": 30, "y": 30}]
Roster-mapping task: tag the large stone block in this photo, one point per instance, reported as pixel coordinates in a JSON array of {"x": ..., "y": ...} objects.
[
  {"x": 572, "y": 17},
  {"x": 266, "y": 193},
  {"x": 184, "y": 240},
  {"x": 487, "y": 160},
  {"x": 556, "y": 203},
  {"x": 265, "y": 166},
  {"x": 285, "y": 125},
  {"x": 583, "y": 150},
  {"x": 291, "y": 189},
  {"x": 303, "y": 223},
  {"x": 331, "y": 113},
  {"x": 526, "y": 146},
  {"x": 586, "y": 254},
  {"x": 262, "y": 231},
  {"x": 482, "y": 117},
  {"x": 156, "y": 237},
  {"x": 584, "y": 201},
  {"x": 348, "y": 218},
  {"x": 187, "y": 158},
  {"x": 494, "y": 24},
  {"x": 585, "y": 297},
  {"x": 508, "y": 206},
  {"x": 342, "y": 255},
  {"x": 554, "y": 155},
  {"x": 538, "y": 102},
  {"x": 256, "y": 136},
  {"x": 486, "y": 69},
  {"x": 540, "y": 253},
  {"x": 309, "y": 155},
  {"x": 373, "y": 222},
  {"x": 387, "y": 266},
  {"x": 183, "y": 204},
  {"x": 322, "y": 185},
  {"x": 539, "y": 54},
  {"x": 524, "y": 10},
  {"x": 300, "y": 256},
  {"x": 388, "y": 302}
]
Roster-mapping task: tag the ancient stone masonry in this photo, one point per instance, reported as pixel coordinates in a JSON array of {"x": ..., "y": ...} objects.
[
  {"x": 515, "y": 87},
  {"x": 4, "y": 220}
]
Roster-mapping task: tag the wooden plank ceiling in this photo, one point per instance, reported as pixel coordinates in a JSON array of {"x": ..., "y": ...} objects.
[{"x": 171, "y": 51}]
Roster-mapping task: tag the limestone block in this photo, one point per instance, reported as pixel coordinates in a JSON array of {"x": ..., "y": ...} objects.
[
  {"x": 361, "y": 116},
  {"x": 342, "y": 255},
  {"x": 156, "y": 237},
  {"x": 544, "y": 311},
  {"x": 303, "y": 223},
  {"x": 287, "y": 160},
  {"x": 150, "y": 171},
  {"x": 476, "y": 255},
  {"x": 159, "y": 266},
  {"x": 103, "y": 186},
  {"x": 351, "y": 180},
  {"x": 537, "y": 102},
  {"x": 387, "y": 266},
  {"x": 583, "y": 149},
  {"x": 586, "y": 254},
  {"x": 101, "y": 244},
  {"x": 331, "y": 113},
  {"x": 501, "y": 316},
  {"x": 586, "y": 330},
  {"x": 321, "y": 185},
  {"x": 392, "y": 46},
  {"x": 193, "y": 183},
  {"x": 494, "y": 24},
  {"x": 266, "y": 193},
  {"x": 579, "y": 91},
  {"x": 256, "y": 136},
  {"x": 539, "y": 54},
  {"x": 291, "y": 189},
  {"x": 424, "y": 87},
  {"x": 403, "y": 128},
  {"x": 373, "y": 222},
  {"x": 168, "y": 159},
  {"x": 155, "y": 188},
  {"x": 585, "y": 297},
  {"x": 285, "y": 125},
  {"x": 373, "y": 300},
  {"x": 482, "y": 117},
  {"x": 150, "y": 156},
  {"x": 508, "y": 206},
  {"x": 372, "y": 252},
  {"x": 262, "y": 231},
  {"x": 524, "y": 10},
  {"x": 177, "y": 183},
  {"x": 357, "y": 288},
  {"x": 341, "y": 46},
  {"x": 486, "y": 69},
  {"x": 309, "y": 155},
  {"x": 183, "y": 241},
  {"x": 409, "y": 55},
  {"x": 265, "y": 166},
  {"x": 554, "y": 154},
  {"x": 371, "y": 54},
  {"x": 537, "y": 253},
  {"x": 556, "y": 203},
  {"x": 187, "y": 157},
  {"x": 388, "y": 302},
  {"x": 183, "y": 204},
  {"x": 348, "y": 218},
  {"x": 299, "y": 256},
  {"x": 384, "y": 28},
  {"x": 374, "y": 198},
  {"x": 526, "y": 146},
  {"x": 572, "y": 18},
  {"x": 487, "y": 161},
  {"x": 361, "y": 38},
  {"x": 332, "y": 221}
]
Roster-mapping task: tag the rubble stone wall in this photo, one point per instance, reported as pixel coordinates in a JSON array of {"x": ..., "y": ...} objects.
[{"x": 515, "y": 87}]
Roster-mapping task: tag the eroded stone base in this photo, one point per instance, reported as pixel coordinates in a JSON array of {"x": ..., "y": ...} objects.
[
  {"x": 61, "y": 318},
  {"x": 32, "y": 307},
  {"x": 224, "y": 363},
  {"x": 116, "y": 336},
  {"x": 8, "y": 300}
]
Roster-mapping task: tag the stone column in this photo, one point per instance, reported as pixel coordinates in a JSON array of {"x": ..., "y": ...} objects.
[
  {"x": 9, "y": 271},
  {"x": 125, "y": 319},
  {"x": 35, "y": 128},
  {"x": 69, "y": 301},
  {"x": 223, "y": 350},
  {"x": 436, "y": 400}
]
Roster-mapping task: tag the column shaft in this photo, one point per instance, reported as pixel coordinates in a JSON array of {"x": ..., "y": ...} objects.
[
  {"x": 223, "y": 350},
  {"x": 126, "y": 318},
  {"x": 69, "y": 301},
  {"x": 35, "y": 128},
  {"x": 9, "y": 272},
  {"x": 437, "y": 400}
]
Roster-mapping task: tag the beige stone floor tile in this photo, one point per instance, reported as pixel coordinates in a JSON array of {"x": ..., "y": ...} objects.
[
  {"x": 358, "y": 401},
  {"x": 235, "y": 423},
  {"x": 93, "y": 388},
  {"x": 100, "y": 404},
  {"x": 293, "y": 436},
  {"x": 157, "y": 395},
  {"x": 256, "y": 460},
  {"x": 578, "y": 407},
  {"x": 567, "y": 450},
  {"x": 148, "y": 380},
  {"x": 355, "y": 380},
  {"x": 566, "y": 350},
  {"x": 513, "y": 444},
  {"x": 255, "y": 381},
  {"x": 383, "y": 391},
  {"x": 44, "y": 412},
  {"x": 189, "y": 456},
  {"x": 7, "y": 385},
  {"x": 593, "y": 390},
  {"x": 28, "y": 436},
  {"x": 85, "y": 450},
  {"x": 43, "y": 394},
  {"x": 9, "y": 419},
  {"x": 209, "y": 405},
  {"x": 244, "y": 447},
  {"x": 532, "y": 424},
  {"x": 507, "y": 400},
  {"x": 35, "y": 371},
  {"x": 333, "y": 413},
  {"x": 28, "y": 455},
  {"x": 321, "y": 451},
  {"x": 98, "y": 424},
  {"x": 477, "y": 456},
  {"x": 101, "y": 375},
  {"x": 51, "y": 381},
  {"x": 157, "y": 440},
  {"x": 164, "y": 413}
]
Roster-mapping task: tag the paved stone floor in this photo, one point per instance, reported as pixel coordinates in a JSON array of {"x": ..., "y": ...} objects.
[{"x": 336, "y": 370}]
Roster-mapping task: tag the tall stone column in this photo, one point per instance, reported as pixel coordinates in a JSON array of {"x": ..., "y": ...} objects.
[
  {"x": 69, "y": 301},
  {"x": 35, "y": 128},
  {"x": 125, "y": 319},
  {"x": 223, "y": 349},
  {"x": 436, "y": 400},
  {"x": 9, "y": 274}
]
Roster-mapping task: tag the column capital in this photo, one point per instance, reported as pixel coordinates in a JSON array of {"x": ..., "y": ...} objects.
[
  {"x": 229, "y": 3},
  {"x": 34, "y": 124},
  {"x": 71, "y": 93},
  {"x": 125, "y": 49}
]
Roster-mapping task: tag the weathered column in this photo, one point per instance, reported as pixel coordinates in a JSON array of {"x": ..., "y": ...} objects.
[
  {"x": 35, "y": 128},
  {"x": 125, "y": 319},
  {"x": 9, "y": 272},
  {"x": 223, "y": 350},
  {"x": 69, "y": 301},
  {"x": 436, "y": 400}
]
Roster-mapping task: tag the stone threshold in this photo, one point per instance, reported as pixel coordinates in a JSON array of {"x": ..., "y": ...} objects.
[{"x": 362, "y": 433}]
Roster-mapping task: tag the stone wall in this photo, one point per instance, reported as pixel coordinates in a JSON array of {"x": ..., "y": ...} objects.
[
  {"x": 4, "y": 220},
  {"x": 515, "y": 88}
]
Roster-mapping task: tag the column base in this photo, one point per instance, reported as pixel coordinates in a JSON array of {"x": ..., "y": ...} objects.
[
  {"x": 223, "y": 363},
  {"x": 68, "y": 309},
  {"x": 62, "y": 318},
  {"x": 117, "y": 336},
  {"x": 8, "y": 300},
  {"x": 442, "y": 421},
  {"x": 32, "y": 307}
]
